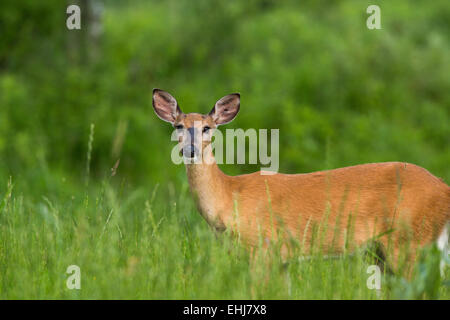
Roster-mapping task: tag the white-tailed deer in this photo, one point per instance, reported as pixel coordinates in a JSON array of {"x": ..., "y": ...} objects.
[{"x": 399, "y": 202}]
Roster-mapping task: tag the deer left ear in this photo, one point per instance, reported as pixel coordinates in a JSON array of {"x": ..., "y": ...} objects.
[
  {"x": 226, "y": 109},
  {"x": 165, "y": 106}
]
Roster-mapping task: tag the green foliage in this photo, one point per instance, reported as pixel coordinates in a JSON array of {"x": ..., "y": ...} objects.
[
  {"x": 426, "y": 282},
  {"x": 339, "y": 93}
]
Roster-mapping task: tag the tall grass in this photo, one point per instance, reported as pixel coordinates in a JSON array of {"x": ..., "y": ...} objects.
[{"x": 132, "y": 244}]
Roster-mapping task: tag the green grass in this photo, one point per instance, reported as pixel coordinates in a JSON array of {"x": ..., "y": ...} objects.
[{"x": 134, "y": 244}]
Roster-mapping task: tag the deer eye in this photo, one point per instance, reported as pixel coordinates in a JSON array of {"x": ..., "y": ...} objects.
[
  {"x": 205, "y": 129},
  {"x": 179, "y": 126}
]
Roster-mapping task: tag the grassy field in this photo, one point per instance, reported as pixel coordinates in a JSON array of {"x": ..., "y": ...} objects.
[
  {"x": 130, "y": 243},
  {"x": 74, "y": 102}
]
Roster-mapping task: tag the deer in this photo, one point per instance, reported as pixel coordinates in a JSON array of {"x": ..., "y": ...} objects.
[{"x": 387, "y": 203}]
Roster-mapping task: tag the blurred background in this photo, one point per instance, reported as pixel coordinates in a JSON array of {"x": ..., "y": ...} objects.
[{"x": 340, "y": 94}]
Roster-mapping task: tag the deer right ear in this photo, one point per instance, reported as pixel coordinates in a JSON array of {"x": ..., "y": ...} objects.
[
  {"x": 165, "y": 106},
  {"x": 226, "y": 108}
]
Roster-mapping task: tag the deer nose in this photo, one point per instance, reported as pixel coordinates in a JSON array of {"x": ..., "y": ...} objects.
[{"x": 189, "y": 151}]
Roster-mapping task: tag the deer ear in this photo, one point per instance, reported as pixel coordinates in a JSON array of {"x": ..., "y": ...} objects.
[
  {"x": 165, "y": 106},
  {"x": 226, "y": 109}
]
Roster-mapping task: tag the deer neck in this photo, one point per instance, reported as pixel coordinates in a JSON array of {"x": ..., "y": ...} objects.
[{"x": 208, "y": 185}]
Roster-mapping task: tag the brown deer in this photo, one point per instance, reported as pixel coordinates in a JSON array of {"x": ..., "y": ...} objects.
[{"x": 398, "y": 202}]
